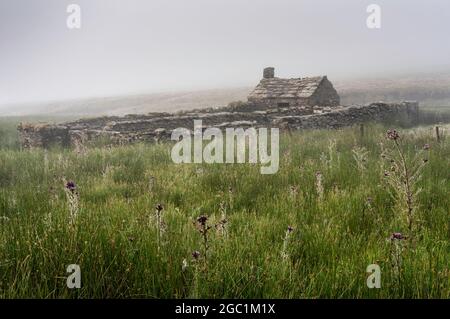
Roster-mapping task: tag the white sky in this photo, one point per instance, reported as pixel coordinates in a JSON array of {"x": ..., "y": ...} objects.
[{"x": 133, "y": 46}]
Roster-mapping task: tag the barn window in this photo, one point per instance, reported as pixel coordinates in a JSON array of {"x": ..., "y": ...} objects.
[{"x": 283, "y": 104}]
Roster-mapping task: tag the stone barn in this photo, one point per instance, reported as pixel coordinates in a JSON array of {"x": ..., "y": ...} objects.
[{"x": 277, "y": 92}]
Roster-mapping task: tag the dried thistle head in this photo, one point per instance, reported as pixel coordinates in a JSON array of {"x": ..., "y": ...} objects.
[{"x": 159, "y": 207}]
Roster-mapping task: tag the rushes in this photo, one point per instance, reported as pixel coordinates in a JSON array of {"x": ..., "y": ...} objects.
[
  {"x": 319, "y": 186},
  {"x": 332, "y": 159},
  {"x": 360, "y": 155},
  {"x": 221, "y": 225}
]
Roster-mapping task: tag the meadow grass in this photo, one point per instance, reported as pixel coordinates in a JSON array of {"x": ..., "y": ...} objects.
[{"x": 338, "y": 229}]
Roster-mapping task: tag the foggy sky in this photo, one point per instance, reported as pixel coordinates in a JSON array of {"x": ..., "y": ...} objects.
[{"x": 133, "y": 46}]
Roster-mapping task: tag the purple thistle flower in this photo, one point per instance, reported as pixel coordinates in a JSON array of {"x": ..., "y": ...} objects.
[
  {"x": 195, "y": 254},
  {"x": 392, "y": 135},
  {"x": 426, "y": 147},
  {"x": 290, "y": 229},
  {"x": 70, "y": 185},
  {"x": 398, "y": 236},
  {"x": 202, "y": 220}
]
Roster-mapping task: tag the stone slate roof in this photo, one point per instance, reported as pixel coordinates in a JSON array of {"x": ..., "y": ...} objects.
[{"x": 286, "y": 88}]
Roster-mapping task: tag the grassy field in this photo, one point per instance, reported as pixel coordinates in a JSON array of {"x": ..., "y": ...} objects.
[{"x": 308, "y": 231}]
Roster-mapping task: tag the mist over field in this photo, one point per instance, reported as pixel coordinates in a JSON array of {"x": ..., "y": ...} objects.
[
  {"x": 432, "y": 91},
  {"x": 105, "y": 195},
  {"x": 139, "y": 56}
]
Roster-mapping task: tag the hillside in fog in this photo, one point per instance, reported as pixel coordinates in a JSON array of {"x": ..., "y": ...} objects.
[{"x": 431, "y": 90}]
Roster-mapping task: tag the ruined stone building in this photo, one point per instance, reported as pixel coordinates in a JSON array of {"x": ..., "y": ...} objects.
[
  {"x": 278, "y": 92},
  {"x": 292, "y": 104}
]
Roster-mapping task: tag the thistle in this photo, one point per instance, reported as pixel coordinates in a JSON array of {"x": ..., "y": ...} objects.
[
  {"x": 403, "y": 177},
  {"x": 195, "y": 258},
  {"x": 160, "y": 227},
  {"x": 203, "y": 228},
  {"x": 73, "y": 200},
  {"x": 284, "y": 250},
  {"x": 397, "y": 248}
]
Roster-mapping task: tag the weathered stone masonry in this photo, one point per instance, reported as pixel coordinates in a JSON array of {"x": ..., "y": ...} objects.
[
  {"x": 299, "y": 103},
  {"x": 159, "y": 126}
]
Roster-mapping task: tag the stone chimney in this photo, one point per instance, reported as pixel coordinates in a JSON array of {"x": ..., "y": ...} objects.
[{"x": 269, "y": 73}]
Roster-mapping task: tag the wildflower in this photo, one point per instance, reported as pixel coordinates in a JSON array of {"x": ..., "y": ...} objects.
[
  {"x": 202, "y": 220},
  {"x": 160, "y": 224},
  {"x": 392, "y": 135},
  {"x": 426, "y": 147},
  {"x": 203, "y": 229},
  {"x": 290, "y": 229},
  {"x": 73, "y": 200},
  {"x": 397, "y": 236},
  {"x": 403, "y": 179},
  {"x": 70, "y": 185},
  {"x": 196, "y": 254}
]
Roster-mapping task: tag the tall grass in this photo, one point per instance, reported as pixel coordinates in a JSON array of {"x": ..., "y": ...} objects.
[{"x": 124, "y": 252}]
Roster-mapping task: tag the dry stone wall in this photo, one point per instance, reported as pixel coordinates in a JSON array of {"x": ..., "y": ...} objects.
[{"x": 157, "y": 126}]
